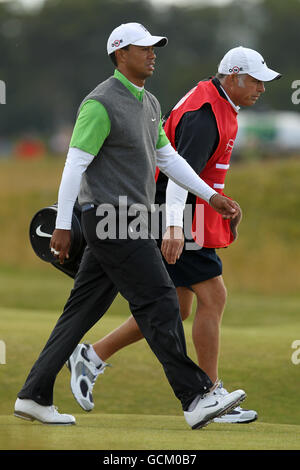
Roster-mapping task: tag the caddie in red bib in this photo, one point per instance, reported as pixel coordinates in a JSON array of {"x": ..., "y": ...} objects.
[{"x": 217, "y": 231}]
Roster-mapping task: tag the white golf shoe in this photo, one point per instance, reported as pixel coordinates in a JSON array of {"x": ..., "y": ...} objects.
[
  {"x": 31, "y": 411},
  {"x": 83, "y": 376},
  {"x": 236, "y": 415},
  {"x": 211, "y": 406}
]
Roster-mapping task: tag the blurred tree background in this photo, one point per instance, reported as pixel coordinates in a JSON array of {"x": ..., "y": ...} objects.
[{"x": 52, "y": 56}]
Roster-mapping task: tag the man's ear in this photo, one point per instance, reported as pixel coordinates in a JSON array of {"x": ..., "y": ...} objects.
[
  {"x": 120, "y": 55},
  {"x": 233, "y": 79}
]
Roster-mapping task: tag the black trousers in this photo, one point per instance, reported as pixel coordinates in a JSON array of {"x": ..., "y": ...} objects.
[{"x": 136, "y": 270}]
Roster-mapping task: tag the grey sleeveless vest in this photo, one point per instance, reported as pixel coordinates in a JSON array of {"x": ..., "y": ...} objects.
[{"x": 126, "y": 163}]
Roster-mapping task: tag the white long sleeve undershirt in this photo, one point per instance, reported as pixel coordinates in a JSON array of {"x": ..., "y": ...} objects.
[
  {"x": 179, "y": 171},
  {"x": 175, "y": 203},
  {"x": 76, "y": 163},
  {"x": 168, "y": 160}
]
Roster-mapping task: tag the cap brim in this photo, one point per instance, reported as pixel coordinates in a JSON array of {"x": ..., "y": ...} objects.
[
  {"x": 266, "y": 75},
  {"x": 157, "y": 41}
]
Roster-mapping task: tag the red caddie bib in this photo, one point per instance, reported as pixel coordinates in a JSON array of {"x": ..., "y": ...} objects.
[{"x": 217, "y": 233}]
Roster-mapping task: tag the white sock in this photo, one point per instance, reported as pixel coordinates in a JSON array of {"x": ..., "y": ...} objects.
[{"x": 93, "y": 356}]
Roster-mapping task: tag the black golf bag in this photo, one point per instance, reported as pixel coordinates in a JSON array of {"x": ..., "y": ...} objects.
[{"x": 41, "y": 228}]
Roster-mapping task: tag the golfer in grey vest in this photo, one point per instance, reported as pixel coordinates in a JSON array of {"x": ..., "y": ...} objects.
[{"x": 117, "y": 142}]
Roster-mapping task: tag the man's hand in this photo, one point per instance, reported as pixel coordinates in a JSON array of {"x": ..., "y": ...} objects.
[
  {"x": 60, "y": 244},
  {"x": 172, "y": 244},
  {"x": 235, "y": 222},
  {"x": 226, "y": 207}
]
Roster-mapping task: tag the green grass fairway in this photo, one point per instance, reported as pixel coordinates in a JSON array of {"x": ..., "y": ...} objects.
[
  {"x": 135, "y": 407},
  {"x": 97, "y": 431}
]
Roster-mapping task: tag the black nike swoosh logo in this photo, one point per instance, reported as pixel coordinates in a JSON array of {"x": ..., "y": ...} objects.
[{"x": 210, "y": 406}]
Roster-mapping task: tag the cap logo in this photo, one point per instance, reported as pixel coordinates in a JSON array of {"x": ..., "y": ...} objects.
[
  {"x": 117, "y": 42},
  {"x": 235, "y": 69},
  {"x": 229, "y": 145}
]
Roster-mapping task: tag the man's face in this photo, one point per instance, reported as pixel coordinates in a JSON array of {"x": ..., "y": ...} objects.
[
  {"x": 139, "y": 61},
  {"x": 246, "y": 90}
]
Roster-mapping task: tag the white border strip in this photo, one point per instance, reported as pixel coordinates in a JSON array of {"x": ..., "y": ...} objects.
[{"x": 222, "y": 166}]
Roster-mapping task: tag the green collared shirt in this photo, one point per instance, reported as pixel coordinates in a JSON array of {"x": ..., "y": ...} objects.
[{"x": 92, "y": 126}]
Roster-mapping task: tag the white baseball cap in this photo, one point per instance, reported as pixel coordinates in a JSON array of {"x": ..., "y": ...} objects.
[
  {"x": 243, "y": 60},
  {"x": 133, "y": 33}
]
